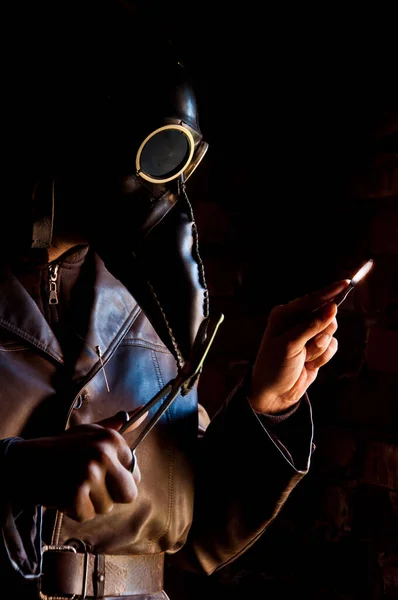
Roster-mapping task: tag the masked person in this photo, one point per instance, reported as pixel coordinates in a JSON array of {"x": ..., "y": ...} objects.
[{"x": 103, "y": 301}]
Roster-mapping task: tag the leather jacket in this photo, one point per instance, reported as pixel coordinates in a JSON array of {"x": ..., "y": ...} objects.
[{"x": 234, "y": 467}]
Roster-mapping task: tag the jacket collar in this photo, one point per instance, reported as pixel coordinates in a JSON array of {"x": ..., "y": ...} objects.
[
  {"x": 164, "y": 257},
  {"x": 114, "y": 309}
]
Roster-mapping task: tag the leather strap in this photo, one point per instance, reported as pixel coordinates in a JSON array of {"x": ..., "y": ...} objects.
[{"x": 67, "y": 573}]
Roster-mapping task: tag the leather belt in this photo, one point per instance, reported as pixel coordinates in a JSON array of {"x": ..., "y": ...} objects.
[{"x": 68, "y": 574}]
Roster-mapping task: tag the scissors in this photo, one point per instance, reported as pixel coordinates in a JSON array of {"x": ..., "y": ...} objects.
[{"x": 181, "y": 384}]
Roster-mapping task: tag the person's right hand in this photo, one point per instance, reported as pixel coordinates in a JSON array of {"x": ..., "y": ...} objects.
[
  {"x": 297, "y": 342},
  {"x": 81, "y": 472}
]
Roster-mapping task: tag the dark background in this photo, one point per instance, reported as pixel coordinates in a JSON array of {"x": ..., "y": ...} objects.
[
  {"x": 300, "y": 187},
  {"x": 294, "y": 102}
]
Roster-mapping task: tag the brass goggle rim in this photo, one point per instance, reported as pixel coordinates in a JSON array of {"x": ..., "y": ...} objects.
[{"x": 191, "y": 142}]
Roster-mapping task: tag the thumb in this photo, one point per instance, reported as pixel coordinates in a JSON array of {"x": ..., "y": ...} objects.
[{"x": 120, "y": 418}]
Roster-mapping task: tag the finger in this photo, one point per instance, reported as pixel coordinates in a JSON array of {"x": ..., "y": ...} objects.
[
  {"x": 320, "y": 297},
  {"x": 122, "y": 485},
  {"x": 115, "y": 466},
  {"x": 111, "y": 448},
  {"x": 325, "y": 357},
  {"x": 82, "y": 509},
  {"x": 137, "y": 422},
  {"x": 124, "y": 453},
  {"x": 119, "y": 419},
  {"x": 99, "y": 494},
  {"x": 297, "y": 337},
  {"x": 317, "y": 345},
  {"x": 285, "y": 316}
]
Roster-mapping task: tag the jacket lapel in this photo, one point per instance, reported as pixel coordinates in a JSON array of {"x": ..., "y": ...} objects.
[
  {"x": 112, "y": 310},
  {"x": 101, "y": 317},
  {"x": 20, "y": 315}
]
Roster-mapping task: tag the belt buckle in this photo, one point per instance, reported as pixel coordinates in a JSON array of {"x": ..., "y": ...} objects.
[{"x": 55, "y": 548}]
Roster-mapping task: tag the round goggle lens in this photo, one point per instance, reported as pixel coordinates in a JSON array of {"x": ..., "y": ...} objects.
[{"x": 166, "y": 153}]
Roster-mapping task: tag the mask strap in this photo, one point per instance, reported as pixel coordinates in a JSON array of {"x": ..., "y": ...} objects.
[{"x": 43, "y": 213}]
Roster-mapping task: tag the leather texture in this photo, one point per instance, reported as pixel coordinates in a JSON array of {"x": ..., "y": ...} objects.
[
  {"x": 159, "y": 262},
  {"x": 68, "y": 573},
  {"x": 236, "y": 493}
]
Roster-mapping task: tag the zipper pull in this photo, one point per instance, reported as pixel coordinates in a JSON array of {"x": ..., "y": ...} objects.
[
  {"x": 98, "y": 349},
  {"x": 53, "y": 274}
]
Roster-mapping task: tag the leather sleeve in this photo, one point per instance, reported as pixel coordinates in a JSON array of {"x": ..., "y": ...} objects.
[
  {"x": 245, "y": 474},
  {"x": 20, "y": 527}
]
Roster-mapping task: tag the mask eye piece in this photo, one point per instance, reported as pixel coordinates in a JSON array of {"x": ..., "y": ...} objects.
[{"x": 165, "y": 153}]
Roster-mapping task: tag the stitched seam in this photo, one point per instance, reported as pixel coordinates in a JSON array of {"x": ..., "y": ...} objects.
[
  {"x": 170, "y": 489},
  {"x": 133, "y": 315},
  {"x": 158, "y": 372},
  {"x": 196, "y": 254},
  {"x": 114, "y": 343},
  {"x": 18, "y": 349},
  {"x": 30, "y": 339},
  {"x": 170, "y": 473},
  {"x": 145, "y": 344}
]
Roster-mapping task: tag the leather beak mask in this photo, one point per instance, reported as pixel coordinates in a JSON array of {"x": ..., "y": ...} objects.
[
  {"x": 141, "y": 223},
  {"x": 159, "y": 143}
]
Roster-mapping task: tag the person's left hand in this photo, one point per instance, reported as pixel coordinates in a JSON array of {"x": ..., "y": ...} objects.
[{"x": 298, "y": 341}]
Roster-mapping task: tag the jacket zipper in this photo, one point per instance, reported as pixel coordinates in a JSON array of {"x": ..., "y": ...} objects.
[{"x": 53, "y": 275}]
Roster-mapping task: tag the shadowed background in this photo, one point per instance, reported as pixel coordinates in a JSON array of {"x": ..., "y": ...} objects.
[{"x": 299, "y": 187}]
